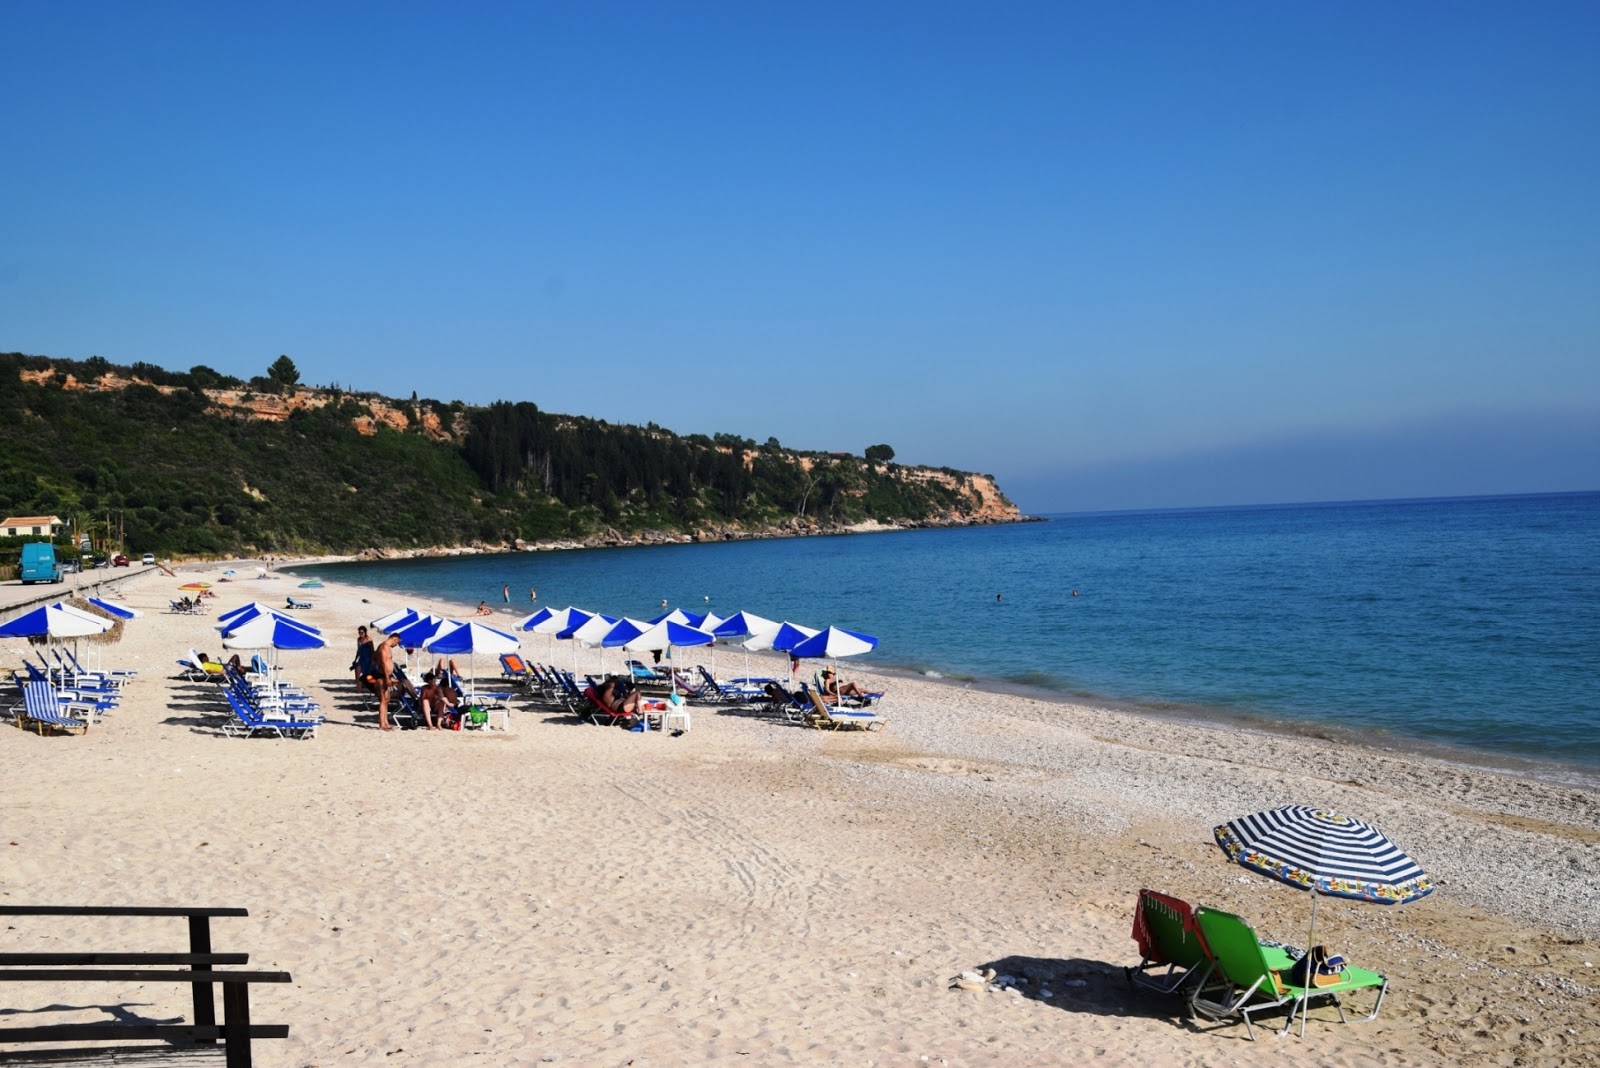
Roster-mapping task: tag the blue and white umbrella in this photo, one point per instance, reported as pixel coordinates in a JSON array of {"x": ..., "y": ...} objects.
[
  {"x": 248, "y": 610},
  {"x": 591, "y": 634},
  {"x": 419, "y": 631},
  {"x": 832, "y": 643},
  {"x": 532, "y": 619},
  {"x": 271, "y": 631},
  {"x": 115, "y": 608},
  {"x": 744, "y": 625},
  {"x": 396, "y": 619},
  {"x": 229, "y": 621},
  {"x": 668, "y": 635},
  {"x": 471, "y": 638},
  {"x": 788, "y": 635},
  {"x": 53, "y": 621}
]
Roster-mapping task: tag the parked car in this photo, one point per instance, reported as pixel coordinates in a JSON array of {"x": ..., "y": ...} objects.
[
  {"x": 70, "y": 567},
  {"x": 148, "y": 558},
  {"x": 119, "y": 561},
  {"x": 101, "y": 561}
]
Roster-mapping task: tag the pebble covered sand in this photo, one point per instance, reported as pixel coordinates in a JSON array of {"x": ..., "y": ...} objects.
[{"x": 754, "y": 892}]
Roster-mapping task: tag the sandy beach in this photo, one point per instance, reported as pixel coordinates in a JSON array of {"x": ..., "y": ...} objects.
[{"x": 754, "y": 892}]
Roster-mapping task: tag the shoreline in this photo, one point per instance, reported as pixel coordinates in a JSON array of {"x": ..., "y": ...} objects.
[
  {"x": 757, "y": 892},
  {"x": 1518, "y": 765}
]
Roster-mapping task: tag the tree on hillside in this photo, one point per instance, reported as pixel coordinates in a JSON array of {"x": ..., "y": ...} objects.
[
  {"x": 284, "y": 372},
  {"x": 879, "y": 454}
]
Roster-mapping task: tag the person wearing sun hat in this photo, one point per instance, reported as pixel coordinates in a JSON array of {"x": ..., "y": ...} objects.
[{"x": 832, "y": 690}]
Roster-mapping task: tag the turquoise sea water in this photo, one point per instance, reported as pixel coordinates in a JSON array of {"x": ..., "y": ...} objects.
[{"x": 1473, "y": 623}]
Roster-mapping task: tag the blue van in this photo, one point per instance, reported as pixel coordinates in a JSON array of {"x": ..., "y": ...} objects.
[{"x": 39, "y": 563}]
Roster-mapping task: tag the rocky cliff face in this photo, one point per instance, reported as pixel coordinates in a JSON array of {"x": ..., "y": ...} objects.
[{"x": 988, "y": 503}]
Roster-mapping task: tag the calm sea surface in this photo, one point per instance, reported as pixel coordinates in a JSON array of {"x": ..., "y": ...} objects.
[{"x": 1474, "y": 623}]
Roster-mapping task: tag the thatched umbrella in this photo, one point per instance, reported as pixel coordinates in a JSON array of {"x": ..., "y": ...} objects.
[{"x": 112, "y": 633}]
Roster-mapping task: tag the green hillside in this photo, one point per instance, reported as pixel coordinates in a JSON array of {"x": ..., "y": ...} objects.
[{"x": 197, "y": 463}]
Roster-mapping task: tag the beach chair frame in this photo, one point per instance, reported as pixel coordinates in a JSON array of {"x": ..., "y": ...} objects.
[{"x": 1242, "y": 980}]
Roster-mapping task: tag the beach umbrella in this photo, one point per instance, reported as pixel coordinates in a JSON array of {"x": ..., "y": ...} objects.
[
  {"x": 254, "y": 610},
  {"x": 1325, "y": 852},
  {"x": 243, "y": 612},
  {"x": 115, "y": 608},
  {"x": 53, "y": 621},
  {"x": 400, "y": 617},
  {"x": 559, "y": 620},
  {"x": 787, "y": 636},
  {"x": 553, "y": 623},
  {"x": 532, "y": 619},
  {"x": 471, "y": 638},
  {"x": 419, "y": 631},
  {"x": 89, "y": 610},
  {"x": 623, "y": 631},
  {"x": 677, "y": 615},
  {"x": 195, "y": 586},
  {"x": 744, "y": 625},
  {"x": 590, "y": 634},
  {"x": 311, "y": 584},
  {"x": 269, "y": 630},
  {"x": 832, "y": 643},
  {"x": 668, "y": 635}
]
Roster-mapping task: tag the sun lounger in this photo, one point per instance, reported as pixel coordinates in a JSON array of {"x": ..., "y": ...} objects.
[
  {"x": 41, "y": 709},
  {"x": 249, "y": 722},
  {"x": 99, "y": 698},
  {"x": 793, "y": 707},
  {"x": 643, "y": 672},
  {"x": 1243, "y": 979},
  {"x": 829, "y": 718},
  {"x": 297, "y": 605},
  {"x": 1168, "y": 939},
  {"x": 862, "y": 700}
]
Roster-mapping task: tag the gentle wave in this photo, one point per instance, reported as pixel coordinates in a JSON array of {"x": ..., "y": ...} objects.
[{"x": 1466, "y": 622}]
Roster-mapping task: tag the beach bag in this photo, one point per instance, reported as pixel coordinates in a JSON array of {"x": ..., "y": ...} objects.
[
  {"x": 1317, "y": 968},
  {"x": 477, "y": 716}
]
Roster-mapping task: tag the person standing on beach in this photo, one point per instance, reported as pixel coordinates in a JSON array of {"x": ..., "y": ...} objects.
[
  {"x": 363, "y": 661},
  {"x": 383, "y": 672}
]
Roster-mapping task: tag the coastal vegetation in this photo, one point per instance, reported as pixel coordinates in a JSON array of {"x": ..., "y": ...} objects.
[{"x": 203, "y": 463}]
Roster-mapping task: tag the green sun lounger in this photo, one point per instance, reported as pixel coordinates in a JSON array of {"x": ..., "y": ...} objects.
[{"x": 1247, "y": 977}]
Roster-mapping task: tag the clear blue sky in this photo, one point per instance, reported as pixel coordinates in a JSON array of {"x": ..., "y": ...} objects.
[{"x": 1119, "y": 255}]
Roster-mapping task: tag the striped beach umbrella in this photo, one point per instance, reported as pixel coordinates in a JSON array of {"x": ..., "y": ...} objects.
[{"x": 1325, "y": 852}]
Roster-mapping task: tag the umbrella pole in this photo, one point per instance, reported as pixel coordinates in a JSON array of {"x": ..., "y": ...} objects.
[{"x": 1311, "y": 934}]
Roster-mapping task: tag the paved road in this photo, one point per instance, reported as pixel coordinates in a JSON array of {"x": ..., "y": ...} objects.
[{"x": 14, "y": 594}]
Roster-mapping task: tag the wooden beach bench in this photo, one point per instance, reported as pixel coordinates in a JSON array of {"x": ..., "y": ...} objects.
[{"x": 200, "y": 1041}]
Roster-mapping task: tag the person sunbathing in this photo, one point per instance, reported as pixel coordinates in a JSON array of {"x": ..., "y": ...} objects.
[
  {"x": 832, "y": 689},
  {"x": 484, "y": 609},
  {"x": 438, "y": 704},
  {"x": 620, "y": 700}
]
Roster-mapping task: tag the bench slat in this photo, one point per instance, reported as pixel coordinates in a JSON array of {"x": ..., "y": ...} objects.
[
  {"x": 14, "y": 960},
  {"x": 114, "y": 910},
  {"x": 119, "y": 1057},
  {"x": 120, "y": 1032},
  {"x": 135, "y": 975}
]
